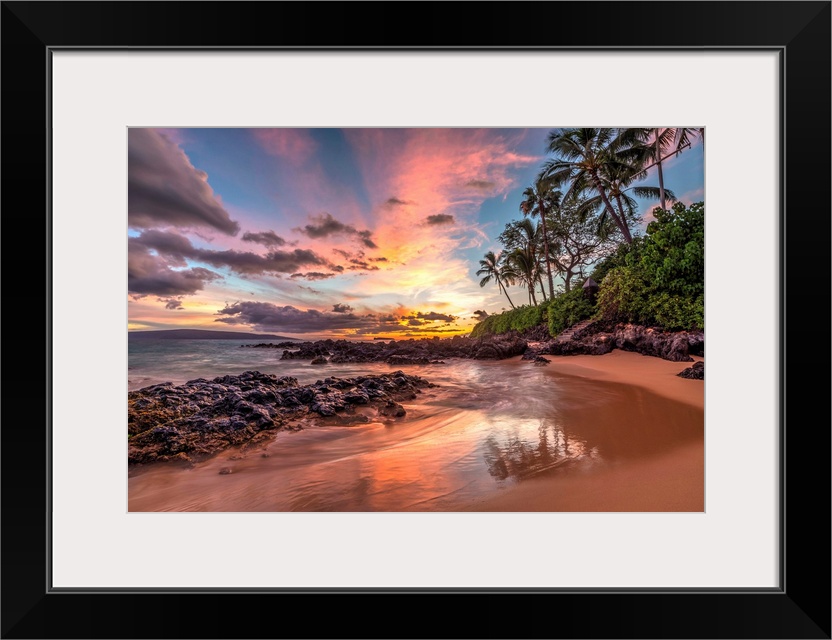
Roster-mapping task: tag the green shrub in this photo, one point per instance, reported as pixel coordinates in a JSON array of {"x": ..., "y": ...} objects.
[
  {"x": 625, "y": 255},
  {"x": 518, "y": 319},
  {"x": 568, "y": 309},
  {"x": 673, "y": 258},
  {"x": 623, "y": 296},
  {"x": 677, "y": 313},
  {"x": 660, "y": 280}
]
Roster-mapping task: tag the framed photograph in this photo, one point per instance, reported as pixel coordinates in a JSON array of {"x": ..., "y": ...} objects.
[{"x": 212, "y": 96}]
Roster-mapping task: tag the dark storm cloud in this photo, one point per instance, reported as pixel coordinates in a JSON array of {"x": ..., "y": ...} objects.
[
  {"x": 266, "y": 238},
  {"x": 382, "y": 259},
  {"x": 268, "y": 316},
  {"x": 440, "y": 218},
  {"x": 484, "y": 185},
  {"x": 479, "y": 314},
  {"x": 179, "y": 248},
  {"x": 149, "y": 274},
  {"x": 324, "y": 225},
  {"x": 342, "y": 308},
  {"x": 164, "y": 188},
  {"x": 396, "y": 202}
]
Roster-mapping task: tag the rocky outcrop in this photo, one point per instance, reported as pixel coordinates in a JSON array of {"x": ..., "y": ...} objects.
[
  {"x": 403, "y": 352},
  {"x": 506, "y": 345},
  {"x": 595, "y": 338},
  {"x": 599, "y": 338},
  {"x": 673, "y": 346},
  {"x": 695, "y": 372},
  {"x": 201, "y": 417}
]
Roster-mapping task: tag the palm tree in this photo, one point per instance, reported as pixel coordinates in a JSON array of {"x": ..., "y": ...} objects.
[
  {"x": 660, "y": 144},
  {"x": 582, "y": 158},
  {"x": 491, "y": 269},
  {"x": 539, "y": 199},
  {"x": 531, "y": 240},
  {"x": 618, "y": 181},
  {"x": 527, "y": 269}
]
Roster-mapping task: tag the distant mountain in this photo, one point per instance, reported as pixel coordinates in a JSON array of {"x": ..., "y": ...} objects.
[{"x": 202, "y": 334}]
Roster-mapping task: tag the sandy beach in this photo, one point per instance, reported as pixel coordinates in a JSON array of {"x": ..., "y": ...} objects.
[
  {"x": 618, "y": 432},
  {"x": 671, "y": 481},
  {"x": 655, "y": 374}
]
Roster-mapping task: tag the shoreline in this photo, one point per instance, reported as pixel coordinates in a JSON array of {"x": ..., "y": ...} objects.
[
  {"x": 646, "y": 372},
  {"x": 668, "y": 480},
  {"x": 673, "y": 481}
]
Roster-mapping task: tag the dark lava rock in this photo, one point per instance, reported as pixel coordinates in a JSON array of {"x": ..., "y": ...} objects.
[
  {"x": 392, "y": 410},
  {"x": 225, "y": 471},
  {"x": 201, "y": 417},
  {"x": 540, "y": 333},
  {"x": 695, "y": 372},
  {"x": 319, "y": 360},
  {"x": 540, "y": 361},
  {"x": 599, "y": 338},
  {"x": 596, "y": 345},
  {"x": 420, "y": 351},
  {"x": 673, "y": 346},
  {"x": 506, "y": 345}
]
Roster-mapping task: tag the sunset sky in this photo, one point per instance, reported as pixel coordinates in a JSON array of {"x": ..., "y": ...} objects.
[{"x": 317, "y": 233}]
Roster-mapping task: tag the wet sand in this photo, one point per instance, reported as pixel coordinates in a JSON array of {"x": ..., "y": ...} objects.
[
  {"x": 647, "y": 372},
  {"x": 618, "y": 432},
  {"x": 671, "y": 481}
]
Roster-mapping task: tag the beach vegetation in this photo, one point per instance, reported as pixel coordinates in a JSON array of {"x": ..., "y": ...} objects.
[
  {"x": 519, "y": 319},
  {"x": 661, "y": 280},
  {"x": 492, "y": 267},
  {"x": 524, "y": 255},
  {"x": 584, "y": 158},
  {"x": 581, "y": 214},
  {"x": 539, "y": 200},
  {"x": 579, "y": 238},
  {"x": 569, "y": 308}
]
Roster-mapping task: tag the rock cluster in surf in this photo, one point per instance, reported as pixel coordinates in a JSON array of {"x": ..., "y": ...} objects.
[
  {"x": 201, "y": 417},
  {"x": 401, "y": 352}
]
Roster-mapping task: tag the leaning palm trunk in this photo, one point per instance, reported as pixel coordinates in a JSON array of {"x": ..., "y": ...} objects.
[
  {"x": 542, "y": 210},
  {"x": 542, "y": 288},
  {"x": 661, "y": 174},
  {"x": 505, "y": 291},
  {"x": 621, "y": 223},
  {"x": 620, "y": 206}
]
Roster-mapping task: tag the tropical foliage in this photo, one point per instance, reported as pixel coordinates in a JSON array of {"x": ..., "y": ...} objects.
[
  {"x": 519, "y": 319},
  {"x": 581, "y": 214},
  {"x": 567, "y": 309},
  {"x": 660, "y": 281}
]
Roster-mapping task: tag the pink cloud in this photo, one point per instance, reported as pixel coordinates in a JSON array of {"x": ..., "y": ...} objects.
[
  {"x": 433, "y": 172},
  {"x": 296, "y": 145}
]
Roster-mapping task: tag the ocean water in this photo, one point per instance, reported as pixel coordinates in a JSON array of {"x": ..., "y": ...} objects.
[{"x": 488, "y": 425}]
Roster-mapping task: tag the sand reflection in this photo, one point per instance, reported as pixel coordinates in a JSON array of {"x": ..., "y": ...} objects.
[{"x": 460, "y": 444}]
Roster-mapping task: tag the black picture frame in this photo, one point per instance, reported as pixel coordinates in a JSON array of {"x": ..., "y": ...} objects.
[{"x": 800, "y": 31}]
